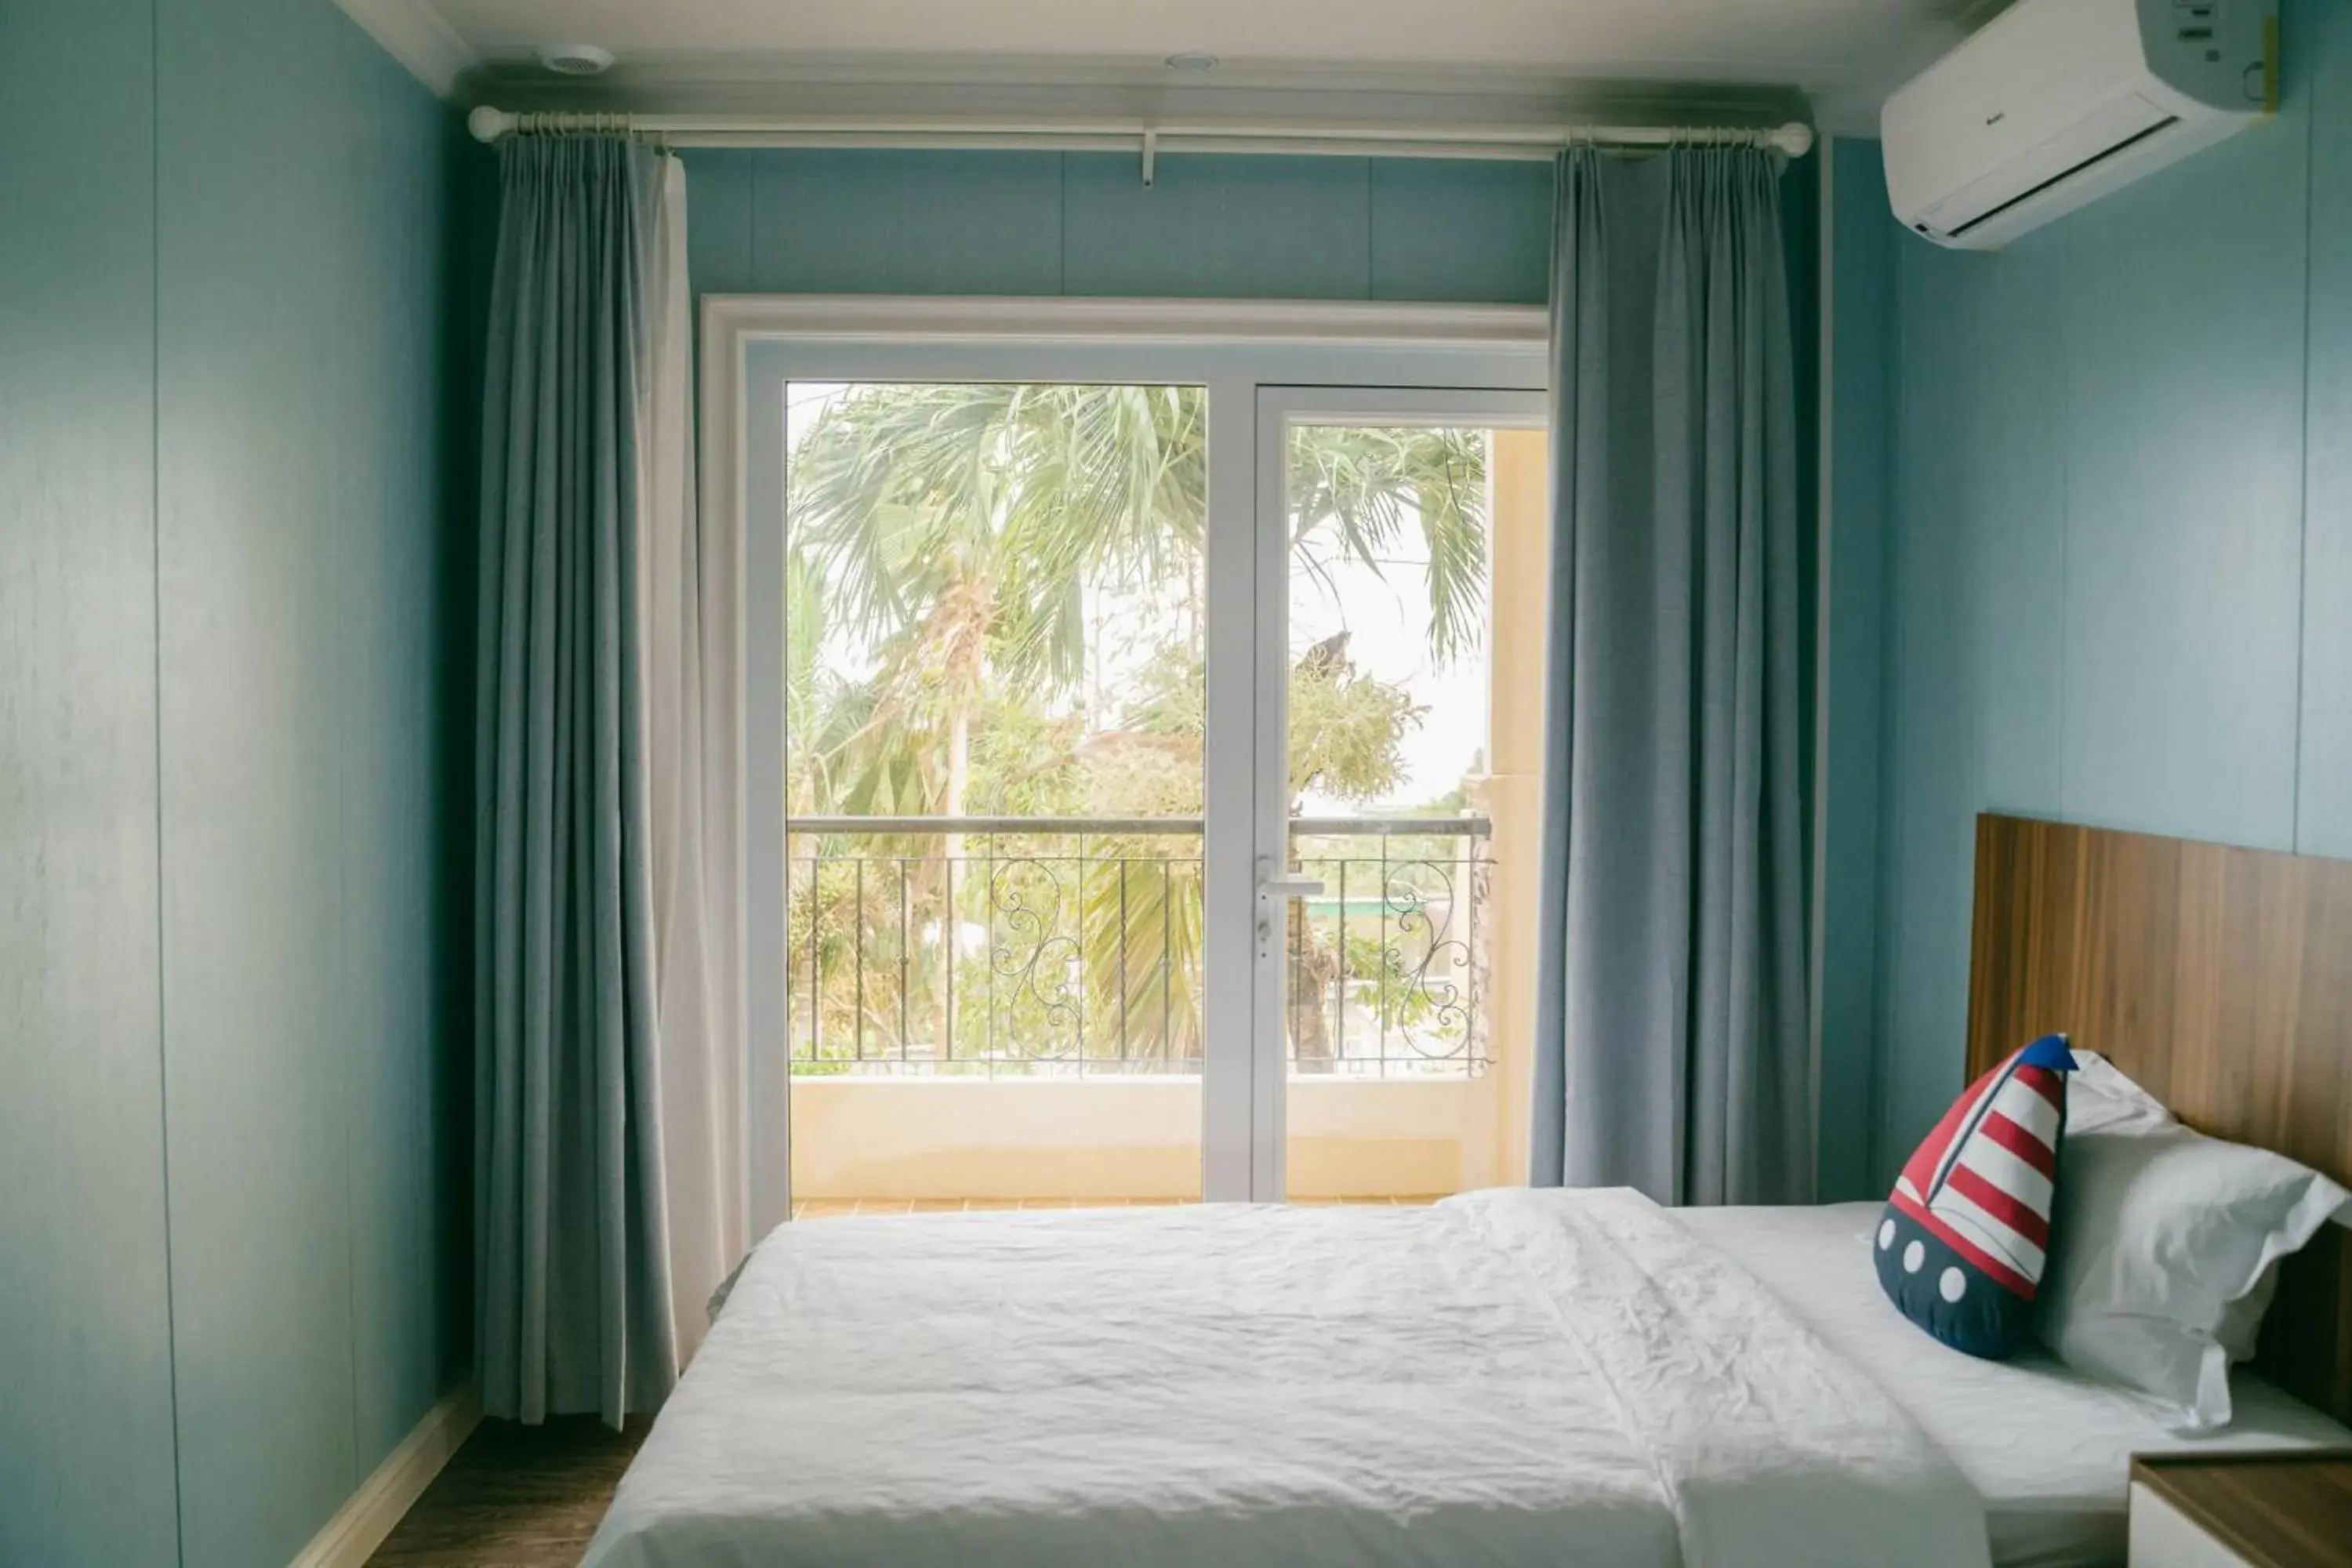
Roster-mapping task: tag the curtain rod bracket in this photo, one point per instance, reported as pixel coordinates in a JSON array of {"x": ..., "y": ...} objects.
[{"x": 1151, "y": 155}]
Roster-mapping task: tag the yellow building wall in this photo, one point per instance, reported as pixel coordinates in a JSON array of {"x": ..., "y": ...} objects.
[{"x": 1520, "y": 473}]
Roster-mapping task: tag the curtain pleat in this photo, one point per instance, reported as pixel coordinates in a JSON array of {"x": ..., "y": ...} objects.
[
  {"x": 573, "y": 1308},
  {"x": 1673, "y": 1047}
]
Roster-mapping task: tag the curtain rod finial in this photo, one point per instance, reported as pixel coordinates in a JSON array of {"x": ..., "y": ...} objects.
[
  {"x": 1795, "y": 139},
  {"x": 489, "y": 124}
]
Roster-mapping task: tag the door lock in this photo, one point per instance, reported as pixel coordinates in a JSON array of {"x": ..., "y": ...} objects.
[{"x": 1272, "y": 887}]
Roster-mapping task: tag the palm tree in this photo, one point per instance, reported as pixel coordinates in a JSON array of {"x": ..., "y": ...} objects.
[
  {"x": 1357, "y": 490},
  {"x": 956, "y": 528},
  {"x": 955, "y": 534}
]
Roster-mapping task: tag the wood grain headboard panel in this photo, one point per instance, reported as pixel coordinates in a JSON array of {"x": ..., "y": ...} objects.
[{"x": 2218, "y": 978}]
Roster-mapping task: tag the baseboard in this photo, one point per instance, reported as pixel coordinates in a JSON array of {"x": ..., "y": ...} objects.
[{"x": 361, "y": 1525}]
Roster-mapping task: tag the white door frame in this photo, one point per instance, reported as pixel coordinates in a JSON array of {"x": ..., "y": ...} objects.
[
  {"x": 751, "y": 346},
  {"x": 1280, "y": 409}
]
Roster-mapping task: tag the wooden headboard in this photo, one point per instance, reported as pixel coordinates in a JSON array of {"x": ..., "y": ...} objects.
[{"x": 2219, "y": 979}]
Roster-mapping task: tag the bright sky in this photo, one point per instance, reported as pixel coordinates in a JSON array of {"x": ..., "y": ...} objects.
[{"x": 1386, "y": 612}]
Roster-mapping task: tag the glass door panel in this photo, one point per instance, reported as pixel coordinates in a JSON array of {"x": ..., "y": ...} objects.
[
  {"x": 994, "y": 731},
  {"x": 1411, "y": 692}
]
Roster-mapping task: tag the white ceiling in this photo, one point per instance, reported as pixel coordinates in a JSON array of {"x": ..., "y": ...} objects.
[{"x": 1844, "y": 54}]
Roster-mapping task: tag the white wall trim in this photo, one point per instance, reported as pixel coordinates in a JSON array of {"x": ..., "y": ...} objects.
[
  {"x": 418, "y": 37},
  {"x": 874, "y": 318},
  {"x": 363, "y": 1521}
]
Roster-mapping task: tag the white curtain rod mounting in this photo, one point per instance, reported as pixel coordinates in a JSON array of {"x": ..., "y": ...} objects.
[{"x": 1149, "y": 141}]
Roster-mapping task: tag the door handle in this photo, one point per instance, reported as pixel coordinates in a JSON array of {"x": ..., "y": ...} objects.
[{"x": 1280, "y": 887}]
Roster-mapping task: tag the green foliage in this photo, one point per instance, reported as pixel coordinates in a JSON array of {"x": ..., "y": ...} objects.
[
  {"x": 1346, "y": 733},
  {"x": 1025, "y": 763},
  {"x": 1356, "y": 492},
  {"x": 1002, "y": 500},
  {"x": 1347, "y": 730}
]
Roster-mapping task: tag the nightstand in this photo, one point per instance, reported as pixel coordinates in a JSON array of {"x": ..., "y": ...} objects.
[{"x": 2273, "y": 1508}]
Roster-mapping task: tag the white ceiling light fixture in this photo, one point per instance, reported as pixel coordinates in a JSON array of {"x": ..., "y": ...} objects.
[
  {"x": 577, "y": 59},
  {"x": 1191, "y": 62}
]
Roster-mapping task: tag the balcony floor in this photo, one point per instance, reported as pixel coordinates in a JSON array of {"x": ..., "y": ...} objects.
[{"x": 836, "y": 1208}]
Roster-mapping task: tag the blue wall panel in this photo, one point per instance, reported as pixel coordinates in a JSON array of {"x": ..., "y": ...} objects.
[
  {"x": 250, "y": 532},
  {"x": 907, "y": 223},
  {"x": 720, "y": 211},
  {"x": 301, "y": 249},
  {"x": 231, "y": 1057},
  {"x": 2182, "y": 350},
  {"x": 1467, "y": 231},
  {"x": 2118, "y": 557},
  {"x": 1292, "y": 228},
  {"x": 85, "y": 1477},
  {"x": 1973, "y": 634},
  {"x": 809, "y": 222}
]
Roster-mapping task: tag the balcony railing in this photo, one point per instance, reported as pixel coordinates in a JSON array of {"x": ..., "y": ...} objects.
[{"x": 1058, "y": 947}]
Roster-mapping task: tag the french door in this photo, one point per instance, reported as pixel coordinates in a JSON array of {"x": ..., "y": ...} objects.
[
  {"x": 1070, "y": 869},
  {"x": 1399, "y": 563}
]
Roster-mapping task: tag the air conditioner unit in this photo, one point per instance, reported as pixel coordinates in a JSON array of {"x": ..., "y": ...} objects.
[{"x": 2056, "y": 102}]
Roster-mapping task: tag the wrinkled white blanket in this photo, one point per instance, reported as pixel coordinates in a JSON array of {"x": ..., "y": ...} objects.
[{"x": 1507, "y": 1378}]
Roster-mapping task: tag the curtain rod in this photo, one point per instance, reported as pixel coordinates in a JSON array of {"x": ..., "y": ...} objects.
[{"x": 1526, "y": 142}]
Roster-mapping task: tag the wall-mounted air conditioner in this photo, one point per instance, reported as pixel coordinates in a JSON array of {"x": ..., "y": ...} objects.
[{"x": 2056, "y": 102}]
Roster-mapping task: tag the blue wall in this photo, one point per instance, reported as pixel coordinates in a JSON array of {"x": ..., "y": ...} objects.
[
  {"x": 232, "y": 1274},
  {"x": 2104, "y": 479},
  {"x": 1052, "y": 223},
  {"x": 1211, "y": 226}
]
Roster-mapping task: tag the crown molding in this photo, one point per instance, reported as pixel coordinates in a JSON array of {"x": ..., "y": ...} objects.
[{"x": 419, "y": 38}]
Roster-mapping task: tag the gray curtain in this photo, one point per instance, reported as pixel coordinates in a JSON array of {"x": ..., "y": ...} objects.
[
  {"x": 1673, "y": 1048},
  {"x": 571, "y": 1275}
]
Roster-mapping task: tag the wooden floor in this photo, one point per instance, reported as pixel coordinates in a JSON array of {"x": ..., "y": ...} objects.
[
  {"x": 516, "y": 1496},
  {"x": 530, "y": 1497}
]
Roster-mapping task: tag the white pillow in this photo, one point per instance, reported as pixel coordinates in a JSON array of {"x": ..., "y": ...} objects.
[{"x": 2159, "y": 1232}]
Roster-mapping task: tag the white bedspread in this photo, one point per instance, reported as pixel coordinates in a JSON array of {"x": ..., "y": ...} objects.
[{"x": 1508, "y": 1378}]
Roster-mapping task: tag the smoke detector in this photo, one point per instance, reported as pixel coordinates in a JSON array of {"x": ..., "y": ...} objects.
[{"x": 577, "y": 59}]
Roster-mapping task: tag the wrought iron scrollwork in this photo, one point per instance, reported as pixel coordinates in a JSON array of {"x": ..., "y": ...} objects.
[
  {"x": 1429, "y": 979},
  {"x": 1032, "y": 970}
]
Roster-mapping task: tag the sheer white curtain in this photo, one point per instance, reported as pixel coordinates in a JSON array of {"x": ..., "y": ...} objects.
[{"x": 691, "y": 667}]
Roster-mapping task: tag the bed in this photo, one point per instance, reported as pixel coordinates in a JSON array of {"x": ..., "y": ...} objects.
[
  {"x": 1518, "y": 1377},
  {"x": 2048, "y": 1449}
]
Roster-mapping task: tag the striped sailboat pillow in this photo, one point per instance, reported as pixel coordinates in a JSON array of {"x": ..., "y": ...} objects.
[{"x": 1961, "y": 1248}]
